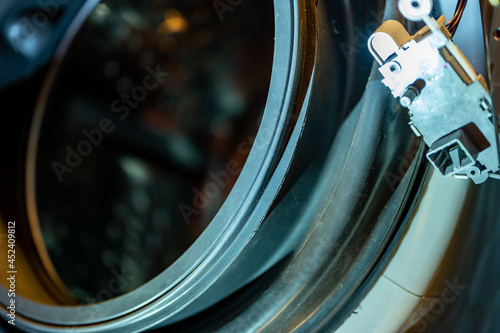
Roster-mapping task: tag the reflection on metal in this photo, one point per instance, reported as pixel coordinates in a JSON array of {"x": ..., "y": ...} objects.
[{"x": 449, "y": 103}]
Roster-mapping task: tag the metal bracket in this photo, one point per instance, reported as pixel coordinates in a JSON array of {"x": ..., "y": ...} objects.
[{"x": 449, "y": 103}]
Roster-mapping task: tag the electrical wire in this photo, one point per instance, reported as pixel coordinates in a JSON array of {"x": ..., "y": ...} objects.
[{"x": 452, "y": 25}]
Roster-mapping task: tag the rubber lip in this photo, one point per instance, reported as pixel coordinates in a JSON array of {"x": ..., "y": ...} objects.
[{"x": 234, "y": 225}]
